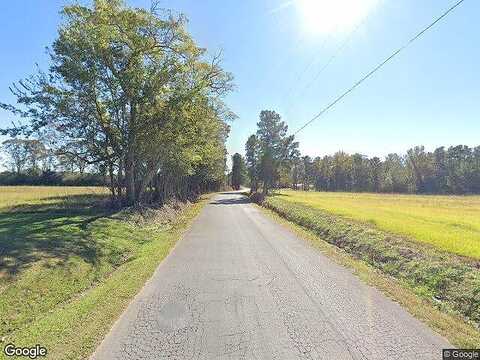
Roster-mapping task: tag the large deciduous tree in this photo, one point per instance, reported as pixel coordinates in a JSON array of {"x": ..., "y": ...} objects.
[
  {"x": 26, "y": 155},
  {"x": 136, "y": 95},
  {"x": 17, "y": 154}
]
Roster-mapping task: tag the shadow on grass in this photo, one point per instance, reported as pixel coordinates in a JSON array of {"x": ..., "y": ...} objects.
[{"x": 57, "y": 229}]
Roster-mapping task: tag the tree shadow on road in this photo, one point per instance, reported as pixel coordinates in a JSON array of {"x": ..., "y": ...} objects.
[{"x": 235, "y": 201}]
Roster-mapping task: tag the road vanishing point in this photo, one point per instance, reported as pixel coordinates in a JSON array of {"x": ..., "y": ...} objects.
[{"x": 241, "y": 286}]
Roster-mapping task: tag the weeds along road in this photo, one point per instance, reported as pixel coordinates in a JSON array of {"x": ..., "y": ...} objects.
[{"x": 240, "y": 286}]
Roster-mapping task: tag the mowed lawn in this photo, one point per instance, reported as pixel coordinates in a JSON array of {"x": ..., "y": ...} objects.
[
  {"x": 69, "y": 264},
  {"x": 450, "y": 223},
  {"x": 42, "y": 224}
]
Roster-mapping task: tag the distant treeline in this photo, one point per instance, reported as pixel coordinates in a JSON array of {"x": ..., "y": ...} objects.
[
  {"x": 273, "y": 160},
  {"x": 455, "y": 170},
  {"x": 52, "y": 178},
  {"x": 30, "y": 162}
]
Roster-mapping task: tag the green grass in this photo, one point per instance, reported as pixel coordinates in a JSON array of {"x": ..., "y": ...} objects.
[
  {"x": 43, "y": 195},
  {"x": 451, "y": 326},
  {"x": 448, "y": 281},
  {"x": 69, "y": 265},
  {"x": 450, "y": 223}
]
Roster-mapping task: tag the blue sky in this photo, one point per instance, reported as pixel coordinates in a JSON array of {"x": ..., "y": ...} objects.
[{"x": 428, "y": 95}]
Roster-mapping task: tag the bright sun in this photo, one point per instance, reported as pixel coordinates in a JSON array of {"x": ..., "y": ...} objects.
[{"x": 326, "y": 16}]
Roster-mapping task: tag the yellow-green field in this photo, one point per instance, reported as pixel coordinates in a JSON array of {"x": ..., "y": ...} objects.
[
  {"x": 450, "y": 223},
  {"x": 430, "y": 244},
  {"x": 18, "y": 195}
]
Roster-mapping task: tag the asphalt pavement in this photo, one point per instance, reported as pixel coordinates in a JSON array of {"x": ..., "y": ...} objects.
[{"x": 241, "y": 286}]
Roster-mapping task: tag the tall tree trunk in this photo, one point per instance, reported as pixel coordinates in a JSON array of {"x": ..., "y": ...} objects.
[
  {"x": 130, "y": 177},
  {"x": 120, "y": 180},
  {"x": 112, "y": 182},
  {"x": 144, "y": 183},
  {"x": 265, "y": 187},
  {"x": 130, "y": 159}
]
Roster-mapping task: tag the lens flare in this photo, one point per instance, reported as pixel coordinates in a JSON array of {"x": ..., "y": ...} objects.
[{"x": 326, "y": 16}]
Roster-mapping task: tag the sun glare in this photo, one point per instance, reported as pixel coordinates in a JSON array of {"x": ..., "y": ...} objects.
[{"x": 326, "y": 16}]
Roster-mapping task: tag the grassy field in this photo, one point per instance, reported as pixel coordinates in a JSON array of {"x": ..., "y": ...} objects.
[
  {"x": 450, "y": 223},
  {"x": 69, "y": 265},
  {"x": 44, "y": 195},
  {"x": 380, "y": 231},
  {"x": 451, "y": 326}
]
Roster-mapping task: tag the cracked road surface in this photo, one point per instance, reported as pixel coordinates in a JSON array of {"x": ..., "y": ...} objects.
[{"x": 240, "y": 286}]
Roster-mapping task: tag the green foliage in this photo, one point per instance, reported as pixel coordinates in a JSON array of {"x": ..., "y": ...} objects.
[
  {"x": 268, "y": 150},
  {"x": 454, "y": 171},
  {"x": 238, "y": 171},
  {"x": 130, "y": 91},
  {"x": 273, "y": 158},
  {"x": 26, "y": 155},
  {"x": 252, "y": 161},
  {"x": 51, "y": 178}
]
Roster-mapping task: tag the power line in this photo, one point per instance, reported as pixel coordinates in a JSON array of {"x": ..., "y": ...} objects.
[
  {"x": 340, "y": 48},
  {"x": 329, "y": 106},
  {"x": 299, "y": 76}
]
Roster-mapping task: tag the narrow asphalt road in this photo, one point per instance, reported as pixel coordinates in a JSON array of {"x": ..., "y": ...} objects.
[{"x": 240, "y": 286}]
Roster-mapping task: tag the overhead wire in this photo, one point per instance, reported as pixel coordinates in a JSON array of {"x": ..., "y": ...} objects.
[
  {"x": 379, "y": 66},
  {"x": 339, "y": 50},
  {"x": 330, "y": 60}
]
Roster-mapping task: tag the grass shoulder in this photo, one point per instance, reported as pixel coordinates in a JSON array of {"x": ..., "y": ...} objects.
[
  {"x": 71, "y": 269},
  {"x": 439, "y": 289}
]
